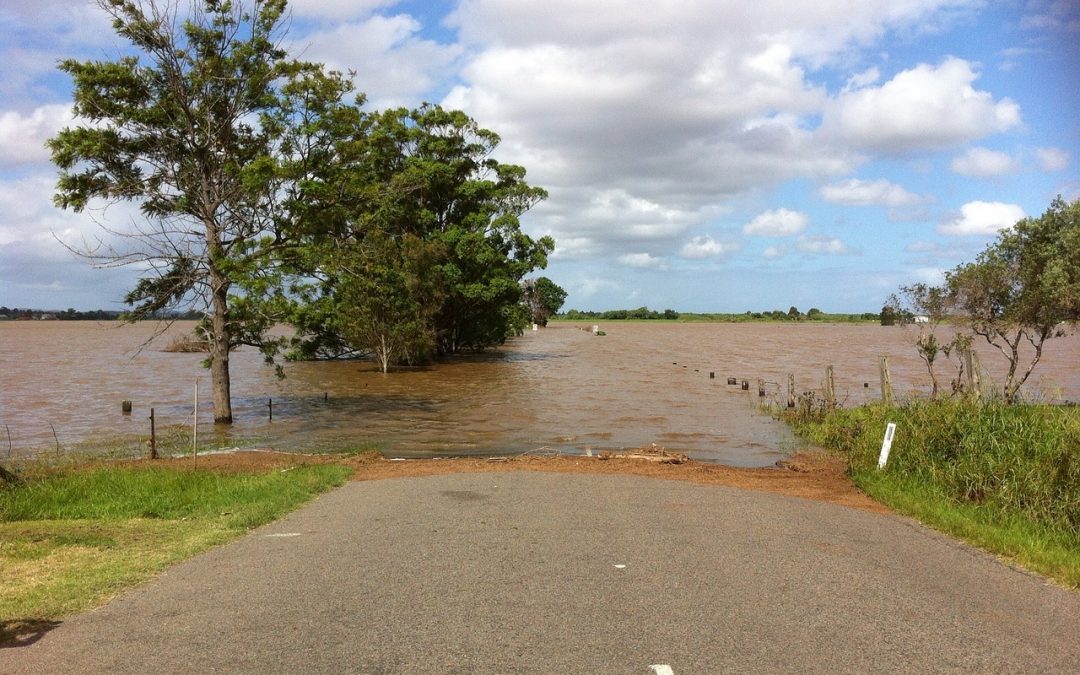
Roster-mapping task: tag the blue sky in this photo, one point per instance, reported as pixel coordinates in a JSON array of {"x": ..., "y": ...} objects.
[{"x": 700, "y": 155}]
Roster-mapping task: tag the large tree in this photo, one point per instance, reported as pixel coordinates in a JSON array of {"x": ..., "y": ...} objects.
[
  {"x": 177, "y": 128},
  {"x": 420, "y": 209}
]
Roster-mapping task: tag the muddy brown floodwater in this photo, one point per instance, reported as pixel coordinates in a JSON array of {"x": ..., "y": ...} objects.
[{"x": 557, "y": 389}]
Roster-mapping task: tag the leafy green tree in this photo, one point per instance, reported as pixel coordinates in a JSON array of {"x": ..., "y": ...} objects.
[
  {"x": 471, "y": 204},
  {"x": 889, "y": 315},
  {"x": 1024, "y": 288},
  {"x": 390, "y": 298},
  {"x": 425, "y": 174},
  {"x": 544, "y": 299},
  {"x": 173, "y": 129}
]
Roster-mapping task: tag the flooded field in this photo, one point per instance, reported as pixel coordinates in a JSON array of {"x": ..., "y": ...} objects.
[{"x": 559, "y": 388}]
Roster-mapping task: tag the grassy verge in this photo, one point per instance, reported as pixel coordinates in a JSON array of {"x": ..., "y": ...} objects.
[
  {"x": 72, "y": 538},
  {"x": 1003, "y": 478}
]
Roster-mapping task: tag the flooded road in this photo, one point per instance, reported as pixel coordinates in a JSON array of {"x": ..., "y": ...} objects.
[{"x": 557, "y": 389}]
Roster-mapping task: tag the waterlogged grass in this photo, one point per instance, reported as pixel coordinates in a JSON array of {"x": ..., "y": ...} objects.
[
  {"x": 1004, "y": 478},
  {"x": 73, "y": 538}
]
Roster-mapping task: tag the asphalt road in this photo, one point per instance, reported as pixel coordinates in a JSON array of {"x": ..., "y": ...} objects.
[{"x": 531, "y": 572}]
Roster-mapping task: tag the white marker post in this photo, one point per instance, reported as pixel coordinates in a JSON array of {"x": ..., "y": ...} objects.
[{"x": 886, "y": 445}]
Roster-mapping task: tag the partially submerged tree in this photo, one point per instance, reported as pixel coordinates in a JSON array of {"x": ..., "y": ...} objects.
[
  {"x": 390, "y": 295},
  {"x": 420, "y": 186},
  {"x": 175, "y": 129},
  {"x": 544, "y": 298}
]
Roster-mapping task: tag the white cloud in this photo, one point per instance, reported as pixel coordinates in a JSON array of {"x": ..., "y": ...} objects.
[
  {"x": 823, "y": 246},
  {"x": 924, "y": 108},
  {"x": 855, "y": 192},
  {"x": 1052, "y": 15},
  {"x": 773, "y": 252},
  {"x": 589, "y": 287},
  {"x": 929, "y": 275},
  {"x": 394, "y": 66},
  {"x": 982, "y": 218},
  {"x": 778, "y": 223},
  {"x": 22, "y": 137},
  {"x": 38, "y": 34},
  {"x": 1052, "y": 159},
  {"x": 863, "y": 79},
  {"x": 642, "y": 261},
  {"x": 336, "y": 9},
  {"x": 706, "y": 247},
  {"x": 984, "y": 163},
  {"x": 686, "y": 106}
]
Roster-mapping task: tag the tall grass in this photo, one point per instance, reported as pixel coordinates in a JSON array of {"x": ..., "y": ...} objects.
[{"x": 1006, "y": 477}]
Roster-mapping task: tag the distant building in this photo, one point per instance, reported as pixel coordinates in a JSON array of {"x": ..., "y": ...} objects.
[{"x": 921, "y": 319}]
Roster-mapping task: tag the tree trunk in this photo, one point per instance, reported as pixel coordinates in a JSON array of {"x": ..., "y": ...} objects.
[
  {"x": 1012, "y": 387},
  {"x": 219, "y": 350},
  {"x": 383, "y": 352}
]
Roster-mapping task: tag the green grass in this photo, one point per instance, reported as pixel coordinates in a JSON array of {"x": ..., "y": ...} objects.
[
  {"x": 72, "y": 538},
  {"x": 1004, "y": 478}
]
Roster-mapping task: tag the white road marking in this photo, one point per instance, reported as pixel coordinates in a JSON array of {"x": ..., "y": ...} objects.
[
  {"x": 620, "y": 567},
  {"x": 283, "y": 534},
  {"x": 662, "y": 670}
]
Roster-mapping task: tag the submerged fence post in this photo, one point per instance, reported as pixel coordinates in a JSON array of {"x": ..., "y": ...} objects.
[
  {"x": 153, "y": 436},
  {"x": 830, "y": 387},
  {"x": 791, "y": 390},
  {"x": 886, "y": 382},
  {"x": 761, "y": 388}
]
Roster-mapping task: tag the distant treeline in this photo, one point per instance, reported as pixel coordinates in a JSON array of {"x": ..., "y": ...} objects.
[
  {"x": 646, "y": 314},
  {"x": 20, "y": 314}
]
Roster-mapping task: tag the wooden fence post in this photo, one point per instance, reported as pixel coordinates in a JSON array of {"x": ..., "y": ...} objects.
[
  {"x": 830, "y": 387},
  {"x": 886, "y": 382},
  {"x": 153, "y": 437},
  {"x": 791, "y": 390},
  {"x": 971, "y": 365}
]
